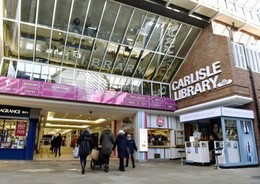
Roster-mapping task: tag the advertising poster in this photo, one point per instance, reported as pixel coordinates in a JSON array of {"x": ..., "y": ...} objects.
[
  {"x": 20, "y": 129},
  {"x": 143, "y": 140}
]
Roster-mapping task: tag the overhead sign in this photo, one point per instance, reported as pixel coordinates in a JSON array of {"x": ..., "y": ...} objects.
[{"x": 205, "y": 79}]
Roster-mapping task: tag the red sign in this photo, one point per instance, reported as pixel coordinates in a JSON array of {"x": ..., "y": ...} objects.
[
  {"x": 160, "y": 121},
  {"x": 20, "y": 129}
]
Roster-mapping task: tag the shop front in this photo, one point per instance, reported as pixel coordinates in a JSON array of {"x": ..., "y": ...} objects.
[
  {"x": 18, "y": 132},
  {"x": 228, "y": 131},
  {"x": 159, "y": 136}
]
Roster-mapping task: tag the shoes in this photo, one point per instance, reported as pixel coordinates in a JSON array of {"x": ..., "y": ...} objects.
[
  {"x": 126, "y": 165},
  {"x": 122, "y": 170},
  {"x": 59, "y": 155},
  {"x": 83, "y": 171},
  {"x": 133, "y": 166}
]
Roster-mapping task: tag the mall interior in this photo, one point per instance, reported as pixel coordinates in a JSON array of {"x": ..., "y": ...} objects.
[{"x": 181, "y": 76}]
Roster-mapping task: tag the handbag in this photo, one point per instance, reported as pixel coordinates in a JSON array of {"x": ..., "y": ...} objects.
[{"x": 76, "y": 152}]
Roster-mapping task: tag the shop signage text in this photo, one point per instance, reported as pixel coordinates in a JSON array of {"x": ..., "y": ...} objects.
[
  {"x": 205, "y": 79},
  {"x": 20, "y": 129},
  {"x": 14, "y": 111}
]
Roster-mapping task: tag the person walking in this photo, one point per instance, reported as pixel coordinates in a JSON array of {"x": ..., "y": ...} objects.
[
  {"x": 57, "y": 143},
  {"x": 121, "y": 144},
  {"x": 85, "y": 143},
  {"x": 107, "y": 141},
  {"x": 130, "y": 150}
]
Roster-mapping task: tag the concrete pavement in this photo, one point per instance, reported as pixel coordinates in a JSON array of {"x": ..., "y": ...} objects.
[{"x": 151, "y": 172}]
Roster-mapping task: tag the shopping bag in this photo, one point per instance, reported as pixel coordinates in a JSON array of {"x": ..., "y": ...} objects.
[
  {"x": 76, "y": 152},
  {"x": 94, "y": 154}
]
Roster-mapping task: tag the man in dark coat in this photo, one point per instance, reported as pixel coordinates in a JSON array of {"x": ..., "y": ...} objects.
[
  {"x": 57, "y": 143},
  {"x": 122, "y": 144},
  {"x": 130, "y": 150},
  {"x": 107, "y": 141},
  {"x": 85, "y": 143}
]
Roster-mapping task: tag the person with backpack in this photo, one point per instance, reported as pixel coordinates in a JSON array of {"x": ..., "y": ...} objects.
[{"x": 85, "y": 143}]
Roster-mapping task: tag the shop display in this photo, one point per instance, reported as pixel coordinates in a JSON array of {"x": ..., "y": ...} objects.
[
  {"x": 13, "y": 134},
  {"x": 158, "y": 137},
  {"x": 179, "y": 137}
]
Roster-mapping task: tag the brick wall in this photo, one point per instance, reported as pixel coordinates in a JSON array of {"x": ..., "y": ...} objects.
[{"x": 208, "y": 49}]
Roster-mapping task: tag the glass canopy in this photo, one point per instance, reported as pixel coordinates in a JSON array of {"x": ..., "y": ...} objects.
[{"x": 51, "y": 39}]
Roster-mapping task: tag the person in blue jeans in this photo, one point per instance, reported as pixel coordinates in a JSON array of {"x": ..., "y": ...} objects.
[{"x": 130, "y": 150}]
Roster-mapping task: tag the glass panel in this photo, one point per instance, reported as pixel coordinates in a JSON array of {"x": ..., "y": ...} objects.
[
  {"x": 108, "y": 63},
  {"x": 232, "y": 141},
  {"x": 78, "y": 15},
  {"x": 10, "y": 39},
  {"x": 146, "y": 30},
  {"x": 62, "y": 14},
  {"x": 26, "y": 42},
  {"x": 57, "y": 47},
  {"x": 130, "y": 67},
  {"x": 53, "y": 74},
  {"x": 126, "y": 85},
  {"x": 134, "y": 27},
  {"x": 145, "y": 60},
  {"x": 45, "y": 13},
  {"x": 9, "y": 68},
  {"x": 137, "y": 86},
  {"x": 147, "y": 88},
  {"x": 172, "y": 70},
  {"x": 24, "y": 70},
  {"x": 179, "y": 39},
  {"x": 71, "y": 52},
  {"x": 189, "y": 42},
  {"x": 108, "y": 20},
  {"x": 165, "y": 90},
  {"x": 40, "y": 72},
  {"x": 28, "y": 10},
  {"x": 165, "y": 65},
  {"x": 121, "y": 25},
  {"x": 8, "y": 134},
  {"x": 80, "y": 79},
  {"x": 158, "y": 33},
  {"x": 98, "y": 53},
  {"x": 67, "y": 76},
  {"x": 169, "y": 39},
  {"x": 156, "y": 89},
  {"x": 115, "y": 83},
  {"x": 155, "y": 63},
  {"x": 93, "y": 18},
  {"x": 11, "y": 9},
  {"x": 42, "y": 45},
  {"x": 84, "y": 54}
]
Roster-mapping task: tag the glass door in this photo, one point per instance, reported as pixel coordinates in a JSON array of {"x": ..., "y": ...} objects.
[{"x": 232, "y": 141}]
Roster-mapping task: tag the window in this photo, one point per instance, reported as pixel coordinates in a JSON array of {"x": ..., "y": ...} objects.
[{"x": 13, "y": 133}]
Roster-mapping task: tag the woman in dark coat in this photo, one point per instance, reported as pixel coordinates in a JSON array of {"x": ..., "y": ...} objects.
[
  {"x": 122, "y": 144},
  {"x": 85, "y": 143},
  {"x": 107, "y": 141}
]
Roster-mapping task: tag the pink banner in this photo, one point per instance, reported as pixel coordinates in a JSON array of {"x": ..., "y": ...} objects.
[{"x": 68, "y": 92}]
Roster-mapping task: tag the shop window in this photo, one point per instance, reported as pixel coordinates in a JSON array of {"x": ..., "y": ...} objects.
[{"x": 13, "y": 134}]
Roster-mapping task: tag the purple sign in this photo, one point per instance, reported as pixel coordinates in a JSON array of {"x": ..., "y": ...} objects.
[{"x": 68, "y": 92}]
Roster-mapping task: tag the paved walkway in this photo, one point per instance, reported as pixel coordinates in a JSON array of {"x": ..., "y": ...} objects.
[{"x": 156, "y": 172}]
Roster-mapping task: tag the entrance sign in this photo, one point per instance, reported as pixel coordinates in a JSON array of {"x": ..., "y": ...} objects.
[
  {"x": 68, "y": 92},
  {"x": 205, "y": 79}
]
